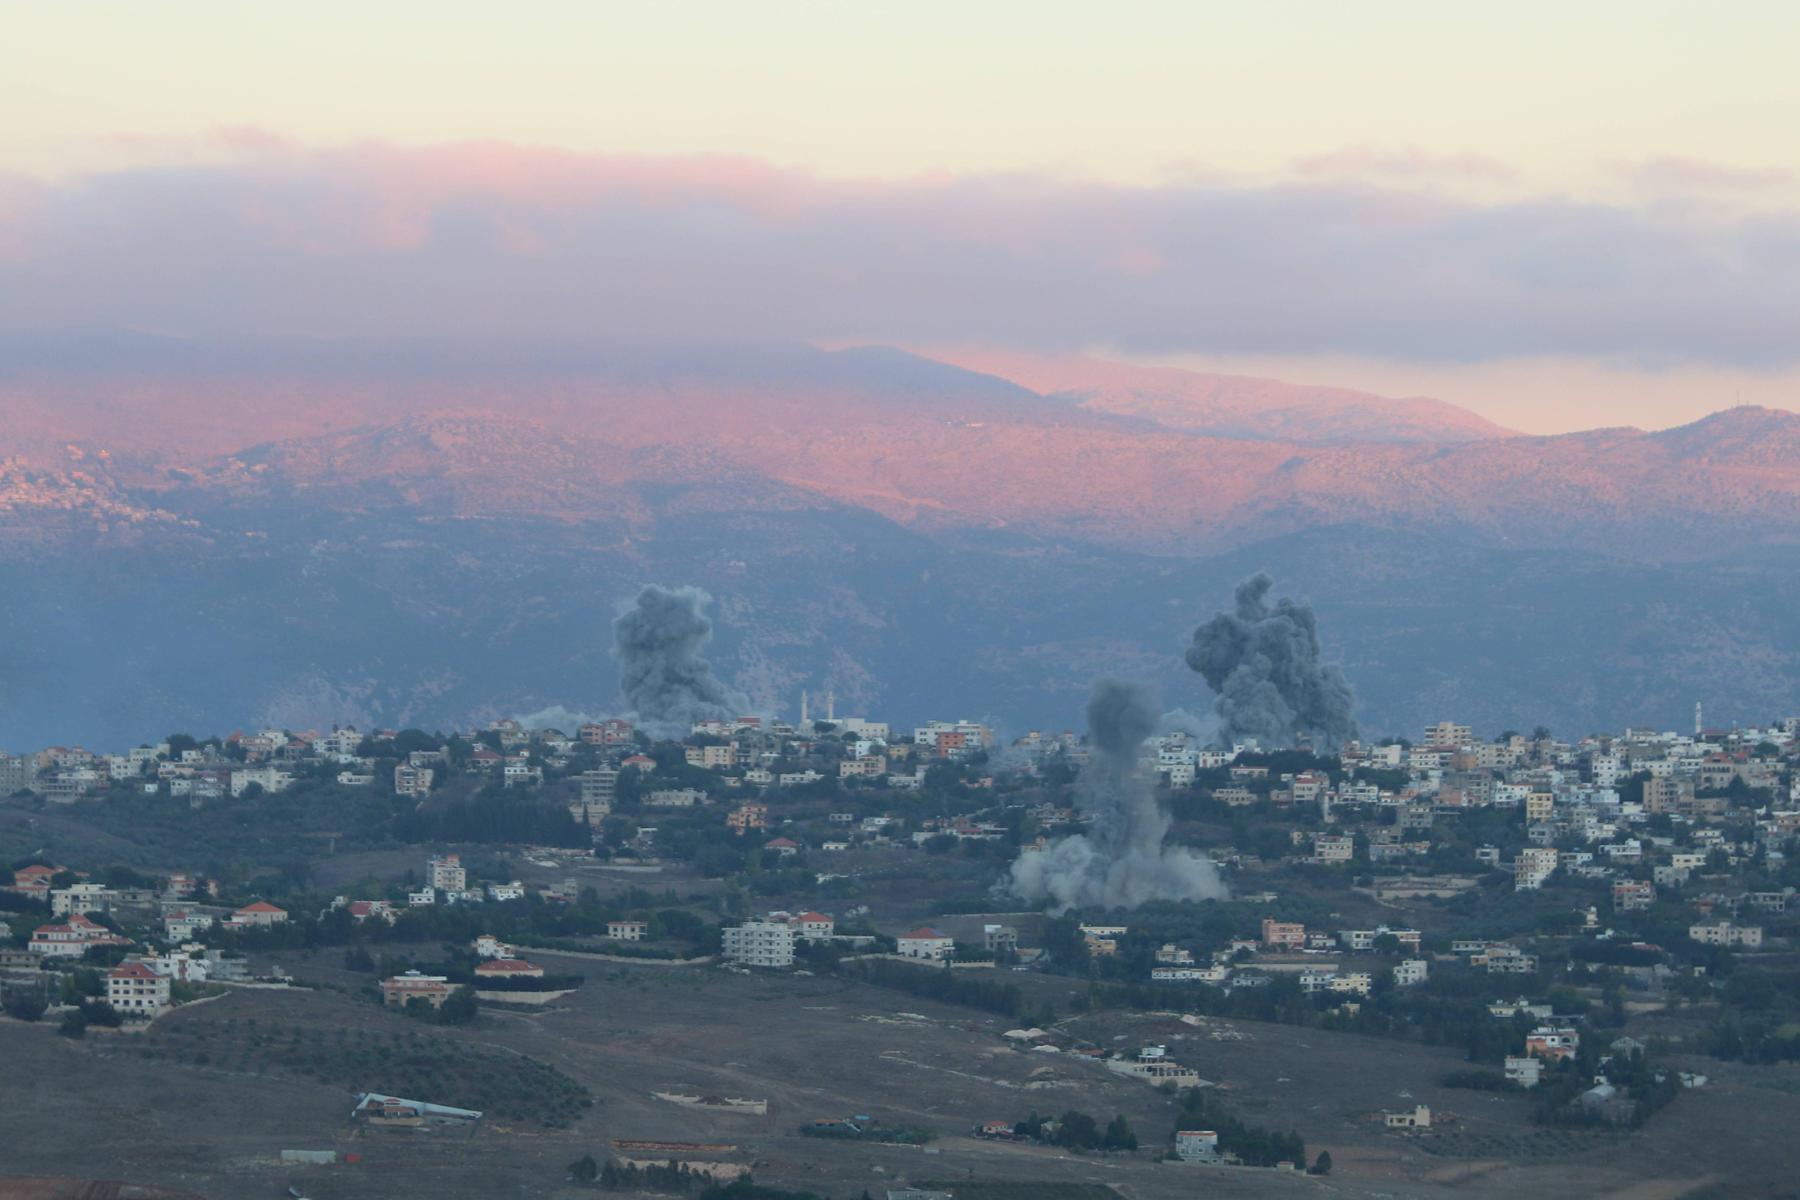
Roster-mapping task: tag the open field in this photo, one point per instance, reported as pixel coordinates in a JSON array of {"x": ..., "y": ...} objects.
[{"x": 811, "y": 1047}]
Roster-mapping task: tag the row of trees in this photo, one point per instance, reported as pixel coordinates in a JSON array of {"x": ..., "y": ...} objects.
[
  {"x": 1256, "y": 1147},
  {"x": 949, "y": 987},
  {"x": 1078, "y": 1131}
]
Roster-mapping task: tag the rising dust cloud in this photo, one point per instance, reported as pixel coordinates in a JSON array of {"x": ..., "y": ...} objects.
[
  {"x": 1120, "y": 862},
  {"x": 1264, "y": 664},
  {"x": 665, "y": 678}
]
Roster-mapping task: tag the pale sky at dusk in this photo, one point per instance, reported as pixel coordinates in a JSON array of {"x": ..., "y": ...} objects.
[{"x": 1560, "y": 215}]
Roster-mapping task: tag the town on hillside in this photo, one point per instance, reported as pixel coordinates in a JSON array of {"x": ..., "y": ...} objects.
[{"x": 1580, "y": 932}]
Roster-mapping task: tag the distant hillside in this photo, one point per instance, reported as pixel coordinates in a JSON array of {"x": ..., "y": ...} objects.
[
  {"x": 1236, "y": 406},
  {"x": 391, "y": 539},
  {"x": 1732, "y": 481}
]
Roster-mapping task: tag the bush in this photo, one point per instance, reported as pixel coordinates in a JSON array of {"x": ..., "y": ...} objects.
[
  {"x": 1479, "y": 1081},
  {"x": 948, "y": 987},
  {"x": 25, "y": 1006},
  {"x": 99, "y": 1012}
]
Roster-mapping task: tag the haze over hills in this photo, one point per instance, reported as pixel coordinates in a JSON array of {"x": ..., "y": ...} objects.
[
  {"x": 223, "y": 535},
  {"x": 1231, "y": 405}
]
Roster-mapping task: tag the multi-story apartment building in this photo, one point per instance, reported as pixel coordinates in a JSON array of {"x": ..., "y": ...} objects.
[{"x": 760, "y": 943}]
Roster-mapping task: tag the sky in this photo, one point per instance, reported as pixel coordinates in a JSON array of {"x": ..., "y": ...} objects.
[{"x": 1559, "y": 215}]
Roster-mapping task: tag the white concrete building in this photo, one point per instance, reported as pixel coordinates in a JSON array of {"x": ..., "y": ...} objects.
[
  {"x": 760, "y": 943},
  {"x": 134, "y": 990},
  {"x": 1411, "y": 971},
  {"x": 925, "y": 942},
  {"x": 447, "y": 873}
]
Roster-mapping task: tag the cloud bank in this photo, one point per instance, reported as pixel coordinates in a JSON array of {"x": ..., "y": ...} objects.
[{"x": 501, "y": 241}]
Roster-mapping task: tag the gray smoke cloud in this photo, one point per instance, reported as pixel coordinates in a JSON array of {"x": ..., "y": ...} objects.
[
  {"x": 1264, "y": 664},
  {"x": 1120, "y": 862},
  {"x": 665, "y": 679}
]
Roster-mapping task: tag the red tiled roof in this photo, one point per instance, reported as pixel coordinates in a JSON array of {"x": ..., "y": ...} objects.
[
  {"x": 813, "y": 916},
  {"x": 504, "y": 966},
  {"x": 923, "y": 931},
  {"x": 131, "y": 970},
  {"x": 261, "y": 906}
]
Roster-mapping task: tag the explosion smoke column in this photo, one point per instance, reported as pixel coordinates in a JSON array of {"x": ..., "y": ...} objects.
[
  {"x": 1264, "y": 664},
  {"x": 1120, "y": 862},
  {"x": 661, "y": 671}
]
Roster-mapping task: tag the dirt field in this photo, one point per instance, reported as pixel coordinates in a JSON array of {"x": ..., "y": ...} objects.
[{"x": 817, "y": 1047}]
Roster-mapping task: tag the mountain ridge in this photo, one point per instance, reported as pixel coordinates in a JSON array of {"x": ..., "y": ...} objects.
[
  {"x": 1730, "y": 480},
  {"x": 1233, "y": 405},
  {"x": 453, "y": 551}
]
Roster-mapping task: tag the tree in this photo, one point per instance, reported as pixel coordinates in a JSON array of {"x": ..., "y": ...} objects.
[
  {"x": 81, "y": 983},
  {"x": 25, "y": 1006},
  {"x": 99, "y": 1012},
  {"x": 460, "y": 1008},
  {"x": 584, "y": 1169},
  {"x": 1119, "y": 1135},
  {"x": 74, "y": 1024},
  {"x": 1322, "y": 1165},
  {"x": 1077, "y": 1131}
]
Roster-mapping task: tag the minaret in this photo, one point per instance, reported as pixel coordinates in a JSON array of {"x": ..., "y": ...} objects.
[
  {"x": 803, "y": 708},
  {"x": 1698, "y": 727}
]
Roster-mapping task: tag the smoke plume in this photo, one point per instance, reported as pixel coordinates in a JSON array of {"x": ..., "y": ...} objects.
[
  {"x": 665, "y": 680},
  {"x": 557, "y": 717},
  {"x": 1120, "y": 862},
  {"x": 1264, "y": 664}
]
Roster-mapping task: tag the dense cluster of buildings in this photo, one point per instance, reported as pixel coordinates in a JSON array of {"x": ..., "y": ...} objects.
[
  {"x": 163, "y": 951},
  {"x": 750, "y": 754},
  {"x": 1647, "y": 818}
]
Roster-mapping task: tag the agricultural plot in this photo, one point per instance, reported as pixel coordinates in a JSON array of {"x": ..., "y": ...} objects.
[{"x": 214, "y": 1097}]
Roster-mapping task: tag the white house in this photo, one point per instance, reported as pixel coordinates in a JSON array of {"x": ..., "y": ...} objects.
[
  {"x": 815, "y": 926},
  {"x": 1410, "y": 971},
  {"x": 925, "y": 942},
  {"x": 1418, "y": 1117},
  {"x": 1198, "y": 1145},
  {"x": 1524, "y": 1071},
  {"x": 447, "y": 874},
  {"x": 72, "y": 939},
  {"x": 135, "y": 990},
  {"x": 260, "y": 913},
  {"x": 489, "y": 946}
]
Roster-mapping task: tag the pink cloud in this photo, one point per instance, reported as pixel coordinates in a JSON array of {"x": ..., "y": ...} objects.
[{"x": 498, "y": 240}]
